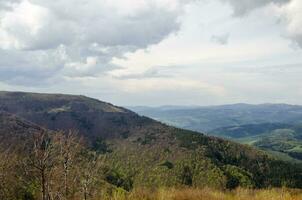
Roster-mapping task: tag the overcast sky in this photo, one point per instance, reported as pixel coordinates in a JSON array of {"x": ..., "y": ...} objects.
[{"x": 154, "y": 52}]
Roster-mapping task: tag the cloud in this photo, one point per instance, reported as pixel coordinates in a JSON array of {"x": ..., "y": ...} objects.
[
  {"x": 156, "y": 84},
  {"x": 28, "y": 68},
  {"x": 289, "y": 11},
  {"x": 243, "y": 7},
  {"x": 291, "y": 15},
  {"x": 7, "y": 4},
  {"x": 48, "y": 24},
  {"x": 79, "y": 37},
  {"x": 152, "y": 72},
  {"x": 221, "y": 39},
  {"x": 127, "y": 52}
]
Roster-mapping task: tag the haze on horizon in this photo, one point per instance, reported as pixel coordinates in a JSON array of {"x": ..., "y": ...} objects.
[{"x": 154, "y": 52}]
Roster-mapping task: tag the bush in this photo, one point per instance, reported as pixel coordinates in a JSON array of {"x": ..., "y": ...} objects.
[
  {"x": 168, "y": 164},
  {"x": 119, "y": 179},
  {"x": 100, "y": 146},
  {"x": 237, "y": 177}
]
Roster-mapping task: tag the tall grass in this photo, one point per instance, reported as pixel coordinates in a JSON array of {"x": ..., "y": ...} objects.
[{"x": 207, "y": 194}]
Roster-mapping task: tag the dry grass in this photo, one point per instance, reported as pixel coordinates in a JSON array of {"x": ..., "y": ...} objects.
[{"x": 208, "y": 194}]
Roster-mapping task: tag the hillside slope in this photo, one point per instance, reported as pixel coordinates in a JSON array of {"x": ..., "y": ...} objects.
[
  {"x": 13, "y": 129},
  {"x": 283, "y": 140},
  {"x": 91, "y": 117},
  {"x": 145, "y": 151}
]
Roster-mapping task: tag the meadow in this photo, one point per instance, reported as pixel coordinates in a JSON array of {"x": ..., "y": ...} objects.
[{"x": 207, "y": 194}]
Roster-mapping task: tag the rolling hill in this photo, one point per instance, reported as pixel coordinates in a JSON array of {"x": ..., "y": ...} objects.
[
  {"x": 282, "y": 140},
  {"x": 141, "y": 150}
]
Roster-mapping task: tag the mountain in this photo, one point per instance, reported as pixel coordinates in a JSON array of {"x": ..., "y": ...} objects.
[
  {"x": 207, "y": 118},
  {"x": 93, "y": 118},
  {"x": 142, "y": 151},
  {"x": 283, "y": 140}
]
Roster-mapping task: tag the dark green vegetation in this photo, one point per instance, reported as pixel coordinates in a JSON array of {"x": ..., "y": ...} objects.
[
  {"x": 282, "y": 140},
  {"x": 205, "y": 119},
  {"x": 118, "y": 149},
  {"x": 275, "y": 128}
]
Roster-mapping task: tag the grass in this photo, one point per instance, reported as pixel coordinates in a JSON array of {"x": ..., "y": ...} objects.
[{"x": 207, "y": 194}]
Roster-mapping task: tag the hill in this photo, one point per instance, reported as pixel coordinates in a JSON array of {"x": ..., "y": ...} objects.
[
  {"x": 91, "y": 117},
  {"x": 207, "y": 118},
  {"x": 248, "y": 130},
  {"x": 138, "y": 151},
  {"x": 282, "y": 140}
]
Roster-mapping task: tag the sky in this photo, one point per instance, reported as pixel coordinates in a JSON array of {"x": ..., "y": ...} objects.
[{"x": 154, "y": 52}]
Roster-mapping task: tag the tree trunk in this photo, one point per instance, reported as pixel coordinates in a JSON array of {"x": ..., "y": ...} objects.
[
  {"x": 66, "y": 182},
  {"x": 43, "y": 185},
  {"x": 85, "y": 193}
]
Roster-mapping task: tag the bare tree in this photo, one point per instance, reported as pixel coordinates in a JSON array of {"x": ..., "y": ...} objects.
[
  {"x": 70, "y": 146},
  {"x": 89, "y": 171},
  {"x": 43, "y": 157}
]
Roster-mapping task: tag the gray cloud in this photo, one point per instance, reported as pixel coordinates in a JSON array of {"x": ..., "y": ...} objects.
[
  {"x": 298, "y": 39},
  {"x": 97, "y": 23},
  {"x": 7, "y": 4},
  {"x": 242, "y": 7},
  {"x": 28, "y": 68},
  {"x": 221, "y": 39}
]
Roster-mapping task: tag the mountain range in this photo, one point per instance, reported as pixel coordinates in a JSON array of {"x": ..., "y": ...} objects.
[{"x": 208, "y": 118}]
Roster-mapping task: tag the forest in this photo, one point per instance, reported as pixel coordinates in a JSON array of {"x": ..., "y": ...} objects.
[
  {"x": 63, "y": 147},
  {"x": 56, "y": 165}
]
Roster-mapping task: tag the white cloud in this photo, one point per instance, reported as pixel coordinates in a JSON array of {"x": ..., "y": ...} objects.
[
  {"x": 290, "y": 12},
  {"x": 81, "y": 30},
  {"x": 21, "y": 27},
  {"x": 292, "y": 17}
]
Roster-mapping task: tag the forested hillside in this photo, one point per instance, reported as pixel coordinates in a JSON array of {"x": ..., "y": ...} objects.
[
  {"x": 74, "y": 147},
  {"x": 283, "y": 140}
]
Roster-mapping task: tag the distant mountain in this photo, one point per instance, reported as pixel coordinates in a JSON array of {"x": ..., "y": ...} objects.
[
  {"x": 207, "y": 118},
  {"x": 145, "y": 151}
]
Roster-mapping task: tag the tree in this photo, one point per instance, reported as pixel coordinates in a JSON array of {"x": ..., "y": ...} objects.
[
  {"x": 70, "y": 147},
  {"x": 89, "y": 171},
  {"x": 43, "y": 157}
]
